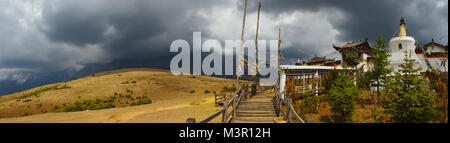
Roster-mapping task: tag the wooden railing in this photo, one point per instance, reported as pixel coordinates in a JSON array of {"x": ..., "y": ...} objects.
[
  {"x": 221, "y": 97},
  {"x": 280, "y": 104},
  {"x": 240, "y": 94}
]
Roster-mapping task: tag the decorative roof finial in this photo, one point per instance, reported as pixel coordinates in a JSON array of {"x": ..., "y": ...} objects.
[
  {"x": 402, "y": 32},
  {"x": 402, "y": 21}
]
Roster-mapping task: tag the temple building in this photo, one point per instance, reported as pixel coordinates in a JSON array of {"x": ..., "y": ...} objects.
[
  {"x": 354, "y": 53},
  {"x": 319, "y": 61},
  {"x": 357, "y": 54},
  {"x": 433, "y": 56},
  {"x": 400, "y": 45}
]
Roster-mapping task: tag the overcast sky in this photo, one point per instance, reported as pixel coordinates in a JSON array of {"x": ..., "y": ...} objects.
[{"x": 52, "y": 35}]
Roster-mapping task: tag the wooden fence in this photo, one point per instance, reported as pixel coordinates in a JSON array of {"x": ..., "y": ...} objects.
[
  {"x": 226, "y": 115},
  {"x": 290, "y": 116}
]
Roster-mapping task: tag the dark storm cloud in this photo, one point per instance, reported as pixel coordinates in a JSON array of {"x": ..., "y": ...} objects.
[
  {"x": 139, "y": 28},
  {"x": 368, "y": 18},
  {"x": 59, "y": 34}
]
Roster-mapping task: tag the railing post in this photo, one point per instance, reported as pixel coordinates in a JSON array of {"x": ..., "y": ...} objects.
[
  {"x": 190, "y": 120},
  {"x": 303, "y": 87},
  {"x": 234, "y": 104},
  {"x": 288, "y": 111},
  {"x": 280, "y": 103},
  {"x": 215, "y": 99},
  {"x": 246, "y": 91},
  {"x": 278, "y": 106},
  {"x": 224, "y": 116},
  {"x": 274, "y": 101},
  {"x": 253, "y": 90}
]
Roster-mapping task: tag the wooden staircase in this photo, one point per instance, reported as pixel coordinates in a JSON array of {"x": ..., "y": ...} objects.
[
  {"x": 258, "y": 109},
  {"x": 261, "y": 108}
]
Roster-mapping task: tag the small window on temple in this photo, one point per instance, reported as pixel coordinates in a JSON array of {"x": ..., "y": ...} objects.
[{"x": 400, "y": 46}]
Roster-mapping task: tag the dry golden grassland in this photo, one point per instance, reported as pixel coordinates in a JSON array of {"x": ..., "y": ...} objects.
[
  {"x": 364, "y": 111},
  {"x": 161, "y": 96}
]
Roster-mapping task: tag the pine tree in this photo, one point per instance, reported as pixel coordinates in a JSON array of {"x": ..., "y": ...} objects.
[
  {"x": 408, "y": 99},
  {"x": 343, "y": 95},
  {"x": 380, "y": 62},
  {"x": 329, "y": 79}
]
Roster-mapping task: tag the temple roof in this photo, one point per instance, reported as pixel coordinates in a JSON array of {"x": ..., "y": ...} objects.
[
  {"x": 362, "y": 45},
  {"x": 434, "y": 44},
  {"x": 322, "y": 61}
]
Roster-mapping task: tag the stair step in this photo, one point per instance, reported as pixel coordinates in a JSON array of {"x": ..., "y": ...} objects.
[
  {"x": 255, "y": 112},
  {"x": 257, "y": 102},
  {"x": 271, "y": 110},
  {"x": 257, "y": 122},
  {"x": 256, "y": 109},
  {"x": 251, "y": 104},
  {"x": 254, "y": 119},
  {"x": 256, "y": 115},
  {"x": 261, "y": 97},
  {"x": 255, "y": 106}
]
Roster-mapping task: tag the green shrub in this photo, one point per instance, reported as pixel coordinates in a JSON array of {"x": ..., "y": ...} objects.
[
  {"x": 77, "y": 106},
  {"x": 87, "y": 102},
  {"x": 192, "y": 91},
  {"x": 97, "y": 101},
  {"x": 101, "y": 106},
  {"x": 63, "y": 87},
  {"x": 207, "y": 91},
  {"x": 363, "y": 81},
  {"x": 112, "y": 97},
  {"x": 329, "y": 79},
  {"x": 408, "y": 99},
  {"x": 37, "y": 92},
  {"x": 342, "y": 96},
  {"x": 229, "y": 89},
  {"x": 310, "y": 104},
  {"x": 143, "y": 101}
]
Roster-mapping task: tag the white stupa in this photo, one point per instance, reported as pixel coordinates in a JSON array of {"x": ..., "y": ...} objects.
[{"x": 401, "y": 44}]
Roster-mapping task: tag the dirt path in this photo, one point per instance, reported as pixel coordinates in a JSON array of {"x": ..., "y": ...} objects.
[
  {"x": 157, "y": 113},
  {"x": 116, "y": 118}
]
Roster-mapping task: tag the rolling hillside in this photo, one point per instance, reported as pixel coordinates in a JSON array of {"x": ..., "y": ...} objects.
[{"x": 127, "y": 95}]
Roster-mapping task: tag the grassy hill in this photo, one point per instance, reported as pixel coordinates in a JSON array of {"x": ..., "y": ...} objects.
[{"x": 116, "y": 96}]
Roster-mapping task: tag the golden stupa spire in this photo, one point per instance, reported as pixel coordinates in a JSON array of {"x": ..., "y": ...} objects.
[{"x": 402, "y": 32}]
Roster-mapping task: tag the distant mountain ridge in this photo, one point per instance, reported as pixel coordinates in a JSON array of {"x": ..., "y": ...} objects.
[{"x": 35, "y": 79}]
